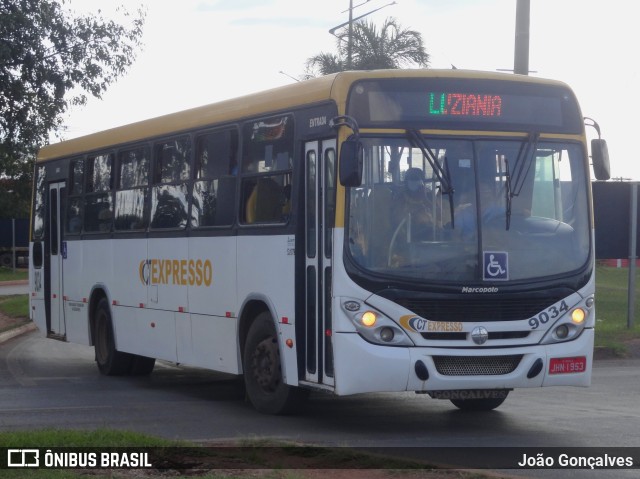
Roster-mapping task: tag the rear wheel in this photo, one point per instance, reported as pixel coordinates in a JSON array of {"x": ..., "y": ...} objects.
[
  {"x": 484, "y": 404},
  {"x": 111, "y": 362},
  {"x": 264, "y": 383}
]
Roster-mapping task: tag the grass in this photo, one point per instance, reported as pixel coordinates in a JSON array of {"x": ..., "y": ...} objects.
[
  {"x": 612, "y": 309},
  {"x": 72, "y": 438},
  {"x": 15, "y": 306},
  {"x": 7, "y": 274}
]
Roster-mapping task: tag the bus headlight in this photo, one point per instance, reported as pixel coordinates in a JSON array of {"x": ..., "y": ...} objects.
[
  {"x": 369, "y": 319},
  {"x": 568, "y": 327},
  {"x": 562, "y": 331},
  {"x": 387, "y": 335},
  {"x": 578, "y": 316},
  {"x": 374, "y": 326}
]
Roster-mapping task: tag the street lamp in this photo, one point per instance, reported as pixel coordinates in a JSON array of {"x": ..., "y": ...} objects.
[{"x": 350, "y": 23}]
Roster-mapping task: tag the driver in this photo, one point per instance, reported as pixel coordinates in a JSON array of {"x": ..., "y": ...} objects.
[{"x": 414, "y": 205}]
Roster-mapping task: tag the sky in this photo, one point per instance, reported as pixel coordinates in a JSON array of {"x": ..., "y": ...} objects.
[{"x": 202, "y": 51}]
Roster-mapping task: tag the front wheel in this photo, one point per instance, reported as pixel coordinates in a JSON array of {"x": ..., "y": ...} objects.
[
  {"x": 265, "y": 386},
  {"x": 484, "y": 404}
]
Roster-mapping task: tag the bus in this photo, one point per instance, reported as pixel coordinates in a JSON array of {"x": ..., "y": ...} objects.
[{"x": 377, "y": 231}]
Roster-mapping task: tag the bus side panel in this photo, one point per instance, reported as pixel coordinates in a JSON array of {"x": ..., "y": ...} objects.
[
  {"x": 215, "y": 295},
  {"x": 266, "y": 271},
  {"x": 213, "y": 304},
  {"x": 131, "y": 272},
  {"x": 215, "y": 343},
  {"x": 97, "y": 259},
  {"x": 146, "y": 332},
  {"x": 168, "y": 273}
]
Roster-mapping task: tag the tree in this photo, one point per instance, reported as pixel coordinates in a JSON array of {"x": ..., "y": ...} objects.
[
  {"x": 390, "y": 47},
  {"x": 51, "y": 59}
]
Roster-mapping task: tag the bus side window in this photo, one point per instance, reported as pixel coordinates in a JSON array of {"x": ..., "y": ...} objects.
[
  {"x": 132, "y": 194},
  {"x": 266, "y": 202},
  {"x": 267, "y": 170},
  {"x": 214, "y": 190},
  {"x": 169, "y": 195},
  {"x": 74, "y": 203},
  {"x": 98, "y": 202}
]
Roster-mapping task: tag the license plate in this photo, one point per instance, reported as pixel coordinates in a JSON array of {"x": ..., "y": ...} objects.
[{"x": 568, "y": 365}]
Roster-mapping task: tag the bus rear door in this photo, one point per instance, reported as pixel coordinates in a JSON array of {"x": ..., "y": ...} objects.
[{"x": 53, "y": 264}]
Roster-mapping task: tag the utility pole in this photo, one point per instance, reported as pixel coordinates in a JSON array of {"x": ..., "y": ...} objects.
[
  {"x": 350, "y": 24},
  {"x": 350, "y": 42},
  {"x": 521, "y": 51}
]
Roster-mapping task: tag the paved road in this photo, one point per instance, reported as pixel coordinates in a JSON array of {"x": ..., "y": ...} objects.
[
  {"x": 17, "y": 287},
  {"x": 46, "y": 383}
]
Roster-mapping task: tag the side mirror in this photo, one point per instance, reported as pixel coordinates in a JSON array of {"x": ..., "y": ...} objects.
[
  {"x": 351, "y": 162},
  {"x": 600, "y": 159}
]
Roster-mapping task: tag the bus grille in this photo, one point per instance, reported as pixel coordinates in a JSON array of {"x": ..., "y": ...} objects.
[
  {"x": 476, "y": 365},
  {"x": 478, "y": 309}
]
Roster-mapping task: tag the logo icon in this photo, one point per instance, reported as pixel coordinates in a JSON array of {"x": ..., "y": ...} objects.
[
  {"x": 495, "y": 266},
  {"x": 480, "y": 335},
  {"x": 23, "y": 458}
]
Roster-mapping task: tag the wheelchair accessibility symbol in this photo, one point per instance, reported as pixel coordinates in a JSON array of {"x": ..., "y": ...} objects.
[{"x": 495, "y": 266}]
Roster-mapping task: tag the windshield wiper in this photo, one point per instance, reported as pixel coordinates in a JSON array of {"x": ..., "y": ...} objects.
[
  {"x": 521, "y": 170},
  {"x": 442, "y": 173}
]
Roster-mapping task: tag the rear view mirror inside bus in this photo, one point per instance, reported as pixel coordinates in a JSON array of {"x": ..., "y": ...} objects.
[
  {"x": 351, "y": 162},
  {"x": 600, "y": 158}
]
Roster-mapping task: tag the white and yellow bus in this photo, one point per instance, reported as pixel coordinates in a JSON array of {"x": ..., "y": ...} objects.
[{"x": 422, "y": 230}]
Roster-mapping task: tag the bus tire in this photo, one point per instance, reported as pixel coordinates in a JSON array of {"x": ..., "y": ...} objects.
[
  {"x": 141, "y": 365},
  {"x": 111, "y": 362},
  {"x": 263, "y": 379},
  {"x": 484, "y": 404}
]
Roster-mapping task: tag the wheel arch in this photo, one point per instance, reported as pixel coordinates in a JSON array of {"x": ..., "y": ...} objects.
[{"x": 251, "y": 308}]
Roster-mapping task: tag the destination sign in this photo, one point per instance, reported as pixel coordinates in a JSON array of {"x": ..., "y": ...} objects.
[{"x": 470, "y": 104}]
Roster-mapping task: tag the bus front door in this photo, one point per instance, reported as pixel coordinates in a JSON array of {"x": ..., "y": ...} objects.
[
  {"x": 54, "y": 304},
  {"x": 319, "y": 214}
]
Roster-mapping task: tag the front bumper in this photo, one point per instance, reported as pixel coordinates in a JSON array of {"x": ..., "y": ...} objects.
[{"x": 362, "y": 367}]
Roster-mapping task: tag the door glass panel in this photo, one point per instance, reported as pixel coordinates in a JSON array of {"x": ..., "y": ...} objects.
[{"x": 53, "y": 203}]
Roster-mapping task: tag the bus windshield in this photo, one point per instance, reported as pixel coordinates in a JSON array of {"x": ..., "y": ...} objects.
[{"x": 493, "y": 209}]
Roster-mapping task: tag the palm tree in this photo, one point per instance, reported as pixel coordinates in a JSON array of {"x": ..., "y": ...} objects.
[{"x": 390, "y": 47}]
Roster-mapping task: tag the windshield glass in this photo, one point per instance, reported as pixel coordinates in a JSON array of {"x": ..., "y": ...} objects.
[{"x": 495, "y": 210}]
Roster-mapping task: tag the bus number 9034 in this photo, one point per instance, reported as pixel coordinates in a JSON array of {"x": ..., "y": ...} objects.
[{"x": 551, "y": 313}]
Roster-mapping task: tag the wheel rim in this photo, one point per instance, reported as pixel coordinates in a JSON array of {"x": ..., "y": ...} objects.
[{"x": 265, "y": 364}]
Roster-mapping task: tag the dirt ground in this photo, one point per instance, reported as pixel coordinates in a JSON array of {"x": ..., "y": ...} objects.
[{"x": 7, "y": 323}]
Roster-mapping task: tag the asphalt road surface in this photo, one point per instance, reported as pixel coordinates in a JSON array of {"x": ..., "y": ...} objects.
[
  {"x": 15, "y": 287},
  {"x": 46, "y": 383}
]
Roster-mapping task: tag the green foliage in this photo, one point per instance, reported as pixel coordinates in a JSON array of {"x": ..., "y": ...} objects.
[
  {"x": 391, "y": 46},
  {"x": 612, "y": 309},
  {"x": 15, "y": 306},
  {"x": 7, "y": 274},
  {"x": 50, "y": 60},
  {"x": 78, "y": 438}
]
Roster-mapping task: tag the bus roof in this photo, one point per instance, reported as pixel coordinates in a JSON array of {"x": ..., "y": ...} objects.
[{"x": 331, "y": 87}]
